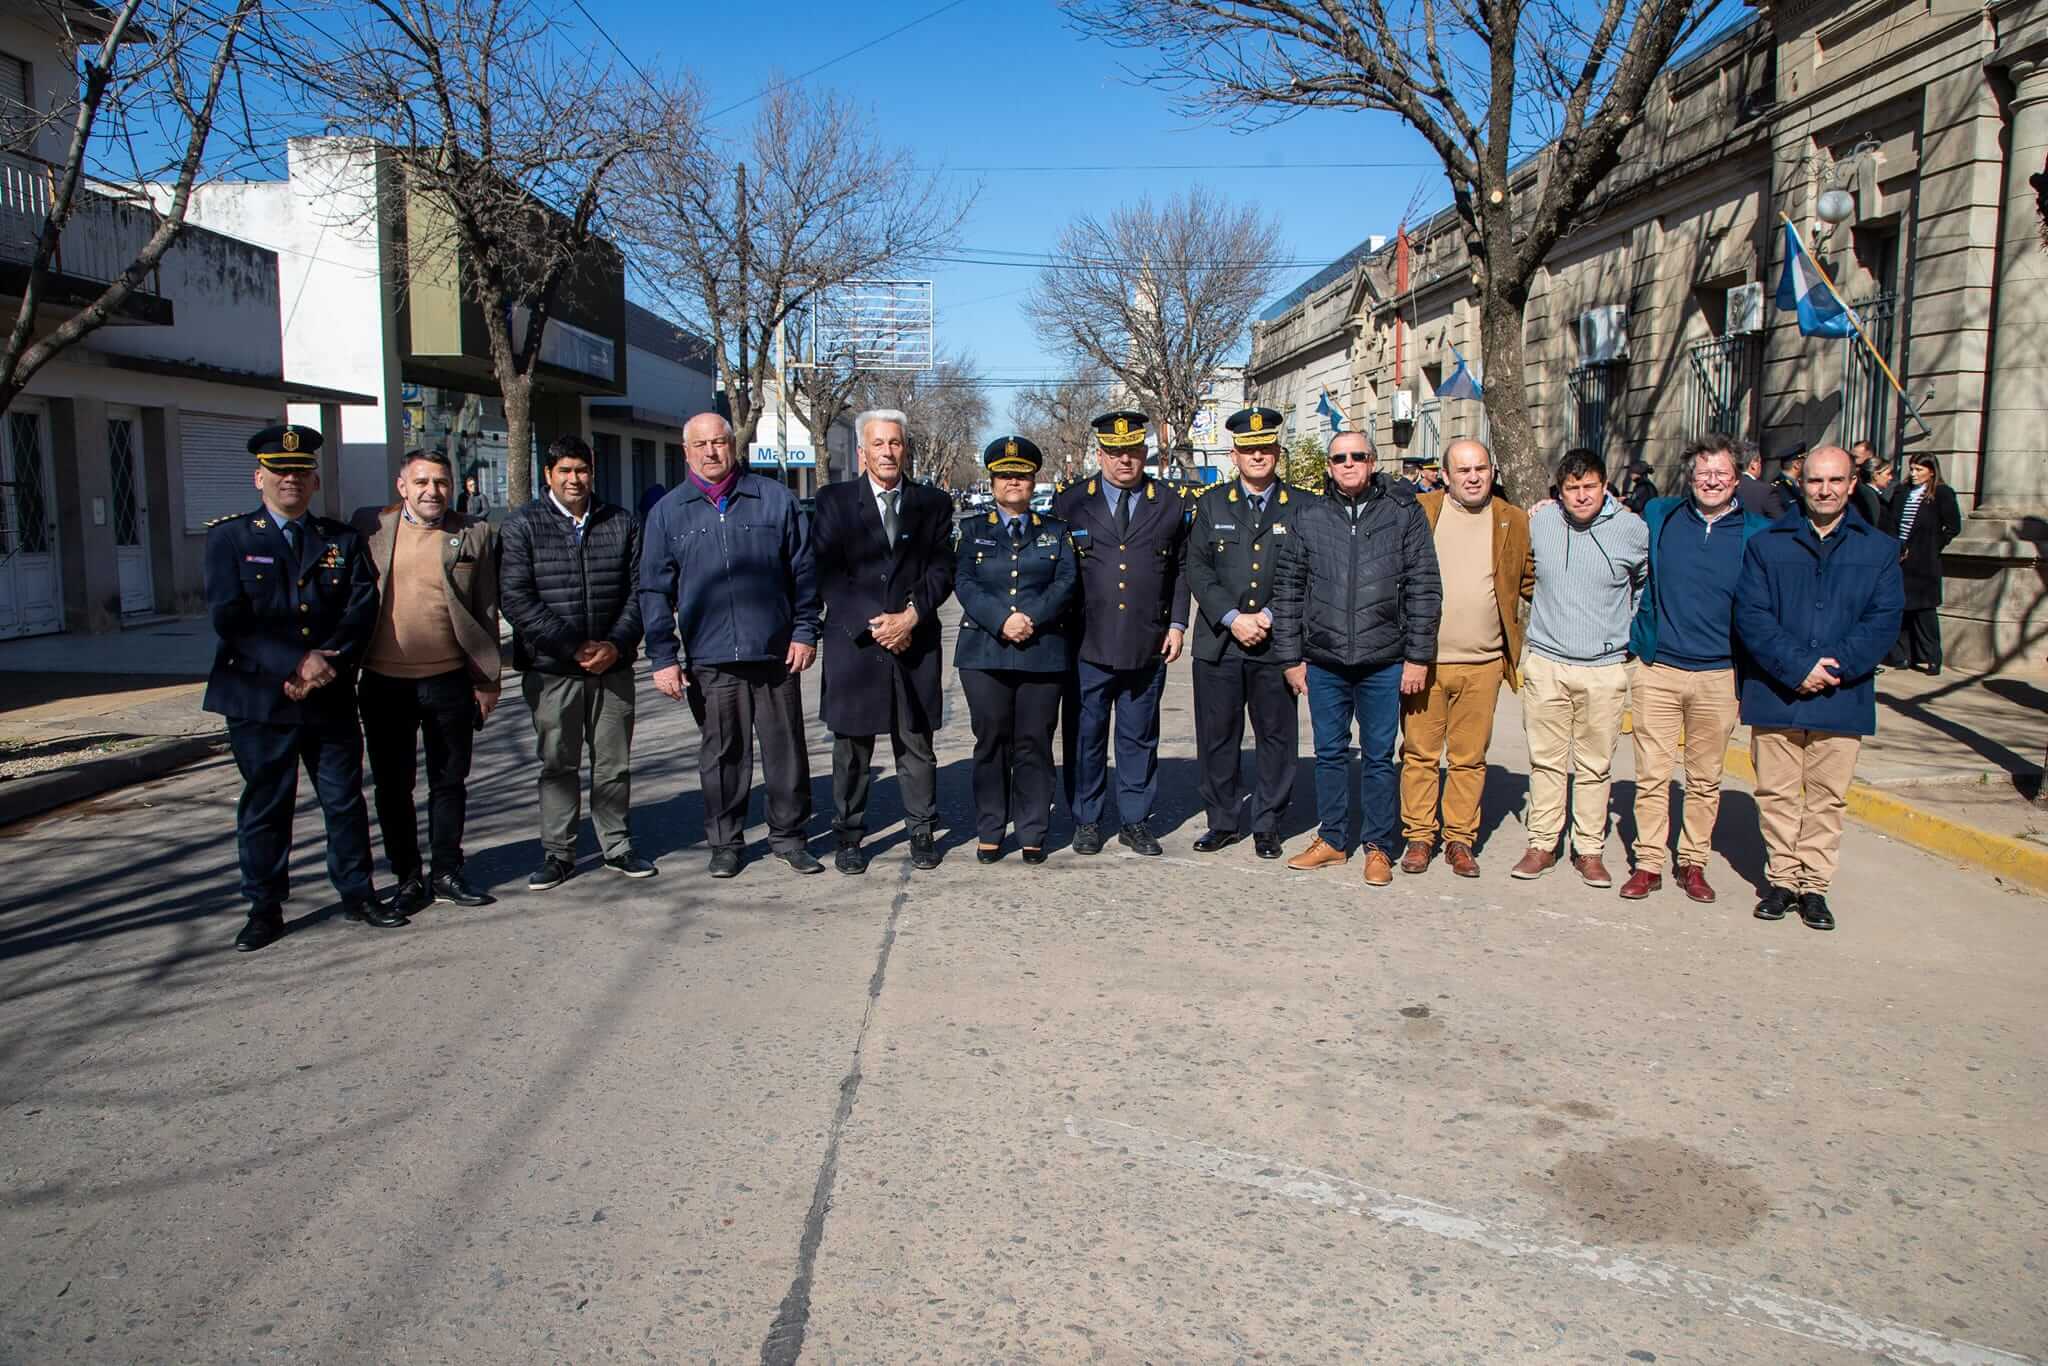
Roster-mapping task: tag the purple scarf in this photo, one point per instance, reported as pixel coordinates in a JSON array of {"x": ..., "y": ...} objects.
[{"x": 716, "y": 494}]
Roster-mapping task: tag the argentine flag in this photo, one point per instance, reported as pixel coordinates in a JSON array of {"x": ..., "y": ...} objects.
[
  {"x": 1325, "y": 408},
  {"x": 1801, "y": 289},
  {"x": 1462, "y": 383}
]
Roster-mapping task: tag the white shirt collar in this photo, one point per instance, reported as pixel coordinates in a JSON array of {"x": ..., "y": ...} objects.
[{"x": 579, "y": 521}]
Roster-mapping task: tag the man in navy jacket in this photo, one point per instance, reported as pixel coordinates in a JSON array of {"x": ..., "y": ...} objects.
[
  {"x": 729, "y": 602},
  {"x": 1818, "y": 606}
]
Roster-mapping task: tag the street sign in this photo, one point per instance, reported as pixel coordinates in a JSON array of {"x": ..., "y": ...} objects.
[{"x": 763, "y": 457}]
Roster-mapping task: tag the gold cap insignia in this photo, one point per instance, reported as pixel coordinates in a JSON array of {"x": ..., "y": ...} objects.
[
  {"x": 1009, "y": 448},
  {"x": 290, "y": 440},
  {"x": 1258, "y": 423},
  {"x": 1123, "y": 426}
]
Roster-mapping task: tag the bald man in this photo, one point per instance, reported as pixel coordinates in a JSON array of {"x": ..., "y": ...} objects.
[
  {"x": 1817, "y": 607},
  {"x": 1482, "y": 550}
]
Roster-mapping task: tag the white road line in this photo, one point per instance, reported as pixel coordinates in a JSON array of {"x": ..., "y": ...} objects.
[{"x": 1757, "y": 1304}]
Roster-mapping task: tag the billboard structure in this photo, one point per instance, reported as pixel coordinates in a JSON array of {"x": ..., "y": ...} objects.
[{"x": 871, "y": 325}]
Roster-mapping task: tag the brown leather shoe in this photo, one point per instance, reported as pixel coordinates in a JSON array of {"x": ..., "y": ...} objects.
[
  {"x": 1319, "y": 854},
  {"x": 1692, "y": 880},
  {"x": 1535, "y": 863},
  {"x": 1640, "y": 884},
  {"x": 1592, "y": 870},
  {"x": 1459, "y": 856},
  {"x": 1415, "y": 858},
  {"x": 1379, "y": 869}
]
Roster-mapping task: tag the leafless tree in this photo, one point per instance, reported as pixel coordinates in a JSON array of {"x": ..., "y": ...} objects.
[
  {"x": 1056, "y": 415},
  {"x": 822, "y": 389},
  {"x": 1157, "y": 296},
  {"x": 154, "y": 78},
  {"x": 948, "y": 410},
  {"x": 741, "y": 236},
  {"x": 505, "y": 134},
  {"x": 1483, "y": 81}
]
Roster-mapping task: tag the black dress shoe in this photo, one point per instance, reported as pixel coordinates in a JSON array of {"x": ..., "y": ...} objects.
[
  {"x": 385, "y": 915},
  {"x": 984, "y": 854},
  {"x": 452, "y": 887},
  {"x": 552, "y": 873},
  {"x": 1776, "y": 901},
  {"x": 800, "y": 860},
  {"x": 851, "y": 858},
  {"x": 1813, "y": 909},
  {"x": 1266, "y": 844},
  {"x": 1212, "y": 840},
  {"x": 631, "y": 866},
  {"x": 924, "y": 852},
  {"x": 1140, "y": 840},
  {"x": 1033, "y": 855},
  {"x": 412, "y": 897},
  {"x": 261, "y": 931},
  {"x": 1087, "y": 839},
  {"x": 725, "y": 862}
]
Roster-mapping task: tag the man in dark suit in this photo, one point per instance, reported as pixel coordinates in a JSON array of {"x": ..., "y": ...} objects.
[
  {"x": 884, "y": 549},
  {"x": 1128, "y": 530},
  {"x": 1235, "y": 539},
  {"x": 293, "y": 600}
]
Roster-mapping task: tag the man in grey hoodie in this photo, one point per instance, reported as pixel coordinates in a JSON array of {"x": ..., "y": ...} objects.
[{"x": 1592, "y": 557}]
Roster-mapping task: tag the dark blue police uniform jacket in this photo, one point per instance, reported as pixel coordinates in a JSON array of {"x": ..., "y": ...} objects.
[
  {"x": 269, "y": 608},
  {"x": 1133, "y": 584},
  {"x": 994, "y": 578}
]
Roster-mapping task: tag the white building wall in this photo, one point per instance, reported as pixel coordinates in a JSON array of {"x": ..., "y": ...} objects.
[{"x": 324, "y": 226}]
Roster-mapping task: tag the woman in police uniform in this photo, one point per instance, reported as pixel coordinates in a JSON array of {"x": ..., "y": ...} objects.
[{"x": 1015, "y": 579}]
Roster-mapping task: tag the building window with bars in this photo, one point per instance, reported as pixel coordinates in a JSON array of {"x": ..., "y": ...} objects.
[
  {"x": 1721, "y": 386},
  {"x": 1870, "y": 409},
  {"x": 1595, "y": 396}
]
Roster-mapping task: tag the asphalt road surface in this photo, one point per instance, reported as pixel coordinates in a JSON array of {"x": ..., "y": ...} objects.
[{"x": 1111, "y": 1109}]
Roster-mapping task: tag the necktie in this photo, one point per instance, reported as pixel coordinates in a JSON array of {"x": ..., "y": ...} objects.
[
  {"x": 889, "y": 497},
  {"x": 291, "y": 539},
  {"x": 1123, "y": 510},
  {"x": 1016, "y": 531}
]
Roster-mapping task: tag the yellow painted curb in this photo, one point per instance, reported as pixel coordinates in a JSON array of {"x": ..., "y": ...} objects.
[{"x": 2014, "y": 860}]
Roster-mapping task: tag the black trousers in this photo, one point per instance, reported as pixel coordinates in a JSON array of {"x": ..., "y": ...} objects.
[
  {"x": 1919, "y": 638},
  {"x": 1223, "y": 692},
  {"x": 733, "y": 704},
  {"x": 397, "y": 713},
  {"x": 1013, "y": 715},
  {"x": 269, "y": 758}
]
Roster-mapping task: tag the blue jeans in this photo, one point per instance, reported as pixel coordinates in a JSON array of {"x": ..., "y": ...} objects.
[{"x": 1371, "y": 694}]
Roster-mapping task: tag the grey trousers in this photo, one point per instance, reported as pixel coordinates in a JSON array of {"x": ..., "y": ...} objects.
[
  {"x": 734, "y": 703},
  {"x": 572, "y": 713},
  {"x": 917, "y": 777}
]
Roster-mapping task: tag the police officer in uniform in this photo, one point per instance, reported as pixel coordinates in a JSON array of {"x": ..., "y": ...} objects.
[
  {"x": 293, "y": 600},
  {"x": 1015, "y": 579},
  {"x": 1128, "y": 530},
  {"x": 1236, "y": 535}
]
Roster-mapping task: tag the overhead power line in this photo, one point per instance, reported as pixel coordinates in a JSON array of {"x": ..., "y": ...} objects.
[
  {"x": 851, "y": 52},
  {"x": 1197, "y": 166}
]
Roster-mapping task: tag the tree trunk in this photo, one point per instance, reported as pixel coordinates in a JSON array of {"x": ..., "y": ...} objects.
[
  {"x": 517, "y": 390},
  {"x": 1523, "y": 464}
]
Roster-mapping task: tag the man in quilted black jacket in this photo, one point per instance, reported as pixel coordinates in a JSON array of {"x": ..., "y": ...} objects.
[
  {"x": 569, "y": 582},
  {"x": 1356, "y": 603}
]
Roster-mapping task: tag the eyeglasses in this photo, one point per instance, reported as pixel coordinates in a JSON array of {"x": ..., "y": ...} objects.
[{"x": 1352, "y": 457}]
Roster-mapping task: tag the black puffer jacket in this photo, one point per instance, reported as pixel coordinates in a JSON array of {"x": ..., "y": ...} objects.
[
  {"x": 1354, "y": 594},
  {"x": 558, "y": 594}
]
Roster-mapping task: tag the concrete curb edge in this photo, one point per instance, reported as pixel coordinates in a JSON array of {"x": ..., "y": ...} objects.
[
  {"x": 26, "y": 797},
  {"x": 2010, "y": 859}
]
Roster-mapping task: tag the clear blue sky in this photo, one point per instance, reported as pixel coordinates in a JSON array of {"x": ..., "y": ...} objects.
[{"x": 1002, "y": 84}]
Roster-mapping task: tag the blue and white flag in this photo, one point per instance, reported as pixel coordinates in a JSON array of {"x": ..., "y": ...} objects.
[
  {"x": 1462, "y": 383},
  {"x": 1325, "y": 408},
  {"x": 1801, "y": 289}
]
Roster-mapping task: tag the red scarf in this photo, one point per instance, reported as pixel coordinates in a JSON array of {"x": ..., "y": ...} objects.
[{"x": 716, "y": 494}]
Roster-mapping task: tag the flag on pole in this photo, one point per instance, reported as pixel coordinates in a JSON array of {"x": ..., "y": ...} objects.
[
  {"x": 1803, "y": 289},
  {"x": 1325, "y": 408},
  {"x": 1462, "y": 383}
]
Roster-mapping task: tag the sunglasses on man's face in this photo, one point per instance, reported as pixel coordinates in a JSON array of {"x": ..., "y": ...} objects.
[{"x": 1352, "y": 457}]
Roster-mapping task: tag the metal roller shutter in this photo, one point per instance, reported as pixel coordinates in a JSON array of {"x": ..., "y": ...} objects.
[{"x": 217, "y": 465}]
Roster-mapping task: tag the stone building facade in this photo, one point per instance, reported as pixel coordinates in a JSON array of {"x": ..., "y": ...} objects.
[{"x": 1653, "y": 321}]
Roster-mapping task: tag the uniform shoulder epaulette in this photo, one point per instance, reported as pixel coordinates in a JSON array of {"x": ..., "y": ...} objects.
[{"x": 224, "y": 517}]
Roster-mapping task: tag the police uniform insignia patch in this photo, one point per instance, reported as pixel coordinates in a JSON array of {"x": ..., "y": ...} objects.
[
  {"x": 1258, "y": 423},
  {"x": 290, "y": 440},
  {"x": 1123, "y": 426},
  {"x": 224, "y": 517},
  {"x": 1045, "y": 538},
  {"x": 260, "y": 524},
  {"x": 1279, "y": 528}
]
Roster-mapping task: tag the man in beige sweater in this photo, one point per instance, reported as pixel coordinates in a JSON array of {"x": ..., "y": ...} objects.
[
  {"x": 432, "y": 670},
  {"x": 1482, "y": 550}
]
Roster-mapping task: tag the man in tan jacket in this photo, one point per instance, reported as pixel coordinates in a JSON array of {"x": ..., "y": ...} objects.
[
  {"x": 1482, "y": 550},
  {"x": 432, "y": 670}
]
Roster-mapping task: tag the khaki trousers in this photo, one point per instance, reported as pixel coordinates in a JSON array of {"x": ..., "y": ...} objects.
[
  {"x": 1572, "y": 713},
  {"x": 1700, "y": 706},
  {"x": 1802, "y": 791},
  {"x": 1450, "y": 719}
]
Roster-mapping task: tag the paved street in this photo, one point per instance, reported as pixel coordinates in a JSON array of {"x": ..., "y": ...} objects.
[{"x": 1115, "y": 1109}]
